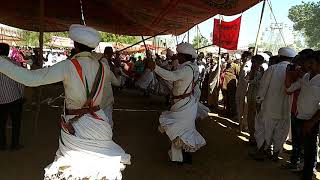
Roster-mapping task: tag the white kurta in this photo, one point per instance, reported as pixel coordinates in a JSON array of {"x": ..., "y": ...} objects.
[
  {"x": 90, "y": 152},
  {"x": 179, "y": 122},
  {"x": 273, "y": 121}
]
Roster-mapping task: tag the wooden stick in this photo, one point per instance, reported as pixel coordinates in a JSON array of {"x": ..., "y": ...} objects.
[
  {"x": 143, "y": 40},
  {"x": 40, "y": 61}
]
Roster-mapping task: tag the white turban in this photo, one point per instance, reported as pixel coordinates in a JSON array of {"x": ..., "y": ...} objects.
[
  {"x": 186, "y": 48},
  {"x": 265, "y": 56},
  {"x": 287, "y": 52},
  {"x": 84, "y": 35}
]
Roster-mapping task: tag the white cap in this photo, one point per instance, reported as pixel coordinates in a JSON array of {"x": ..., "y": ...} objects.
[
  {"x": 186, "y": 48},
  {"x": 265, "y": 56},
  {"x": 287, "y": 52},
  {"x": 84, "y": 35}
]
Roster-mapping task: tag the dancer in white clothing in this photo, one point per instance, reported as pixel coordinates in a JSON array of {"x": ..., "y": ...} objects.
[
  {"x": 86, "y": 149},
  {"x": 179, "y": 122}
]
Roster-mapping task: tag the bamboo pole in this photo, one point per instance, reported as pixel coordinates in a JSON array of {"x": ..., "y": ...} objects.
[
  {"x": 219, "y": 53},
  {"x": 259, "y": 29},
  {"x": 40, "y": 61}
]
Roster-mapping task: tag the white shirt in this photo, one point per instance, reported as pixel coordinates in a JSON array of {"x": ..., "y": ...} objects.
[
  {"x": 181, "y": 78},
  {"x": 243, "y": 83},
  {"x": 309, "y": 97},
  {"x": 75, "y": 94},
  {"x": 276, "y": 103}
]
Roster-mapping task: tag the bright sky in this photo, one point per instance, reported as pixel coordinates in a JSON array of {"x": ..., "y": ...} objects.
[{"x": 250, "y": 20}]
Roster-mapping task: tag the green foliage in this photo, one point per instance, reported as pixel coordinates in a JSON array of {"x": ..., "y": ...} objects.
[
  {"x": 109, "y": 37},
  {"x": 306, "y": 19},
  {"x": 30, "y": 38},
  {"x": 199, "y": 41}
]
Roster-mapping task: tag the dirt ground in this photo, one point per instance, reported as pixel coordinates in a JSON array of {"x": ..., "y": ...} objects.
[{"x": 225, "y": 157}]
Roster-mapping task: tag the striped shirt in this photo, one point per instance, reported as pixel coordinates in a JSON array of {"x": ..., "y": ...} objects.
[{"x": 10, "y": 90}]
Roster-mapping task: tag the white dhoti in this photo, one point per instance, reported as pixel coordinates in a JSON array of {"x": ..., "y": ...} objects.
[
  {"x": 90, "y": 153},
  {"x": 108, "y": 112},
  {"x": 179, "y": 125}
]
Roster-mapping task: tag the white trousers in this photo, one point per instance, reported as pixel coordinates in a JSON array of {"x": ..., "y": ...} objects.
[
  {"x": 175, "y": 154},
  {"x": 271, "y": 131},
  {"x": 242, "y": 110}
]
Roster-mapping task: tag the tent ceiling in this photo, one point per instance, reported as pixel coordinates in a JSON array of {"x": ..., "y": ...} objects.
[{"x": 129, "y": 17}]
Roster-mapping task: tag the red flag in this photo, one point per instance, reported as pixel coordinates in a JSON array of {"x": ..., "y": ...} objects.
[{"x": 229, "y": 33}]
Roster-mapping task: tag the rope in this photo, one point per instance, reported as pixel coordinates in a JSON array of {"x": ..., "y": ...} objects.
[
  {"x": 275, "y": 19},
  {"x": 82, "y": 20}
]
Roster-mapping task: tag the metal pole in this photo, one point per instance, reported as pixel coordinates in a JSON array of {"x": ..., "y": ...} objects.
[
  {"x": 259, "y": 29},
  {"x": 219, "y": 53}
]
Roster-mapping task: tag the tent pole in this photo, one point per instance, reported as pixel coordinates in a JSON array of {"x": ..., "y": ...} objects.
[
  {"x": 40, "y": 61},
  {"x": 198, "y": 43},
  {"x": 177, "y": 40},
  {"x": 260, "y": 24},
  {"x": 144, "y": 43},
  {"x": 219, "y": 53},
  {"x": 143, "y": 40}
]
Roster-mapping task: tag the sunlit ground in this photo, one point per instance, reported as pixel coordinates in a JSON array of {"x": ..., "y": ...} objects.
[{"x": 244, "y": 136}]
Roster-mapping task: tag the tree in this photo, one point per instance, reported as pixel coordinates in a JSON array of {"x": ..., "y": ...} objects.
[
  {"x": 109, "y": 37},
  {"x": 199, "y": 41},
  {"x": 306, "y": 19},
  {"x": 31, "y": 39}
]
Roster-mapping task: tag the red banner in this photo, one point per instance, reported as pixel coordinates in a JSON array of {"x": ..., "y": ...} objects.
[{"x": 229, "y": 33}]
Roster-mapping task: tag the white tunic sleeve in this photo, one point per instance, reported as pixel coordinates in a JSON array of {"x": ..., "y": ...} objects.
[
  {"x": 114, "y": 80},
  {"x": 265, "y": 83},
  {"x": 33, "y": 78},
  {"x": 171, "y": 75},
  {"x": 295, "y": 86}
]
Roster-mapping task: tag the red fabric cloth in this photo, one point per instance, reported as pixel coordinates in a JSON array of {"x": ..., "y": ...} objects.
[{"x": 226, "y": 35}]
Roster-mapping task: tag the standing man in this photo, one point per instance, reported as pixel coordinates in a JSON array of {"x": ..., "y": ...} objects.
[
  {"x": 213, "y": 86},
  {"x": 242, "y": 90},
  {"x": 274, "y": 107},
  {"x": 179, "y": 122},
  {"x": 113, "y": 80},
  {"x": 11, "y": 101}
]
